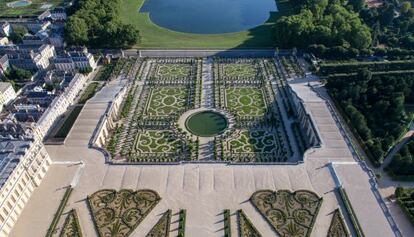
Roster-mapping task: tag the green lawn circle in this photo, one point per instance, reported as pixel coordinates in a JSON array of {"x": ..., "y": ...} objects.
[{"x": 206, "y": 123}]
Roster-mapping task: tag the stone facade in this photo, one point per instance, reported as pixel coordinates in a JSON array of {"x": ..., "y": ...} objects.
[
  {"x": 24, "y": 163},
  {"x": 7, "y": 93}
]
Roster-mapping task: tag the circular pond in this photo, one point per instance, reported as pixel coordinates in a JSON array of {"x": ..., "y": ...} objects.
[
  {"x": 208, "y": 16},
  {"x": 206, "y": 123}
]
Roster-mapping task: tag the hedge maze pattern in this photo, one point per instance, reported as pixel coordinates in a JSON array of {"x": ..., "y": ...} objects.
[
  {"x": 246, "y": 227},
  {"x": 262, "y": 141},
  {"x": 161, "y": 91},
  {"x": 162, "y": 227},
  {"x": 165, "y": 101},
  {"x": 337, "y": 227},
  {"x": 240, "y": 70},
  {"x": 118, "y": 213},
  {"x": 252, "y": 91},
  {"x": 245, "y": 101},
  {"x": 242, "y": 86},
  {"x": 71, "y": 227},
  {"x": 172, "y": 71},
  {"x": 290, "y": 214},
  {"x": 157, "y": 141}
]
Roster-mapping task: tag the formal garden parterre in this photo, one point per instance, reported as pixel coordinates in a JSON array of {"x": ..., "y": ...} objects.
[
  {"x": 289, "y": 213},
  {"x": 252, "y": 93},
  {"x": 118, "y": 213},
  {"x": 259, "y": 134},
  {"x": 159, "y": 92}
]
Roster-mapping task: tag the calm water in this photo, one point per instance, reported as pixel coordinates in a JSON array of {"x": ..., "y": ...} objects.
[
  {"x": 22, "y": 3},
  {"x": 209, "y": 16}
]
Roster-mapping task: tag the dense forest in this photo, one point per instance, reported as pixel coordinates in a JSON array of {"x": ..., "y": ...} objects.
[
  {"x": 346, "y": 29},
  {"x": 403, "y": 162},
  {"x": 96, "y": 23},
  {"x": 375, "y": 107}
]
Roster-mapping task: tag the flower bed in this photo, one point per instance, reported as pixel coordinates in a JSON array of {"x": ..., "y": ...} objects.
[
  {"x": 290, "y": 214},
  {"x": 118, "y": 213},
  {"x": 246, "y": 227},
  {"x": 162, "y": 227},
  {"x": 338, "y": 226},
  {"x": 71, "y": 227}
]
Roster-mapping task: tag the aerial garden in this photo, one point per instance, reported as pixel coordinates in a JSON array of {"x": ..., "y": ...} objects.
[
  {"x": 243, "y": 88},
  {"x": 159, "y": 93}
]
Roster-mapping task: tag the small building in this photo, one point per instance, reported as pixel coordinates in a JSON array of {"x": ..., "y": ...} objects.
[
  {"x": 58, "y": 14},
  {"x": 29, "y": 57},
  {"x": 38, "y": 39},
  {"x": 37, "y": 26},
  {"x": 7, "y": 93},
  {"x": 5, "y": 29},
  {"x": 4, "y": 41},
  {"x": 72, "y": 60},
  {"x": 4, "y": 63}
]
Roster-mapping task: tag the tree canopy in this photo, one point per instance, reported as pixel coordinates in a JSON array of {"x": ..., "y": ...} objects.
[
  {"x": 374, "y": 105},
  {"x": 321, "y": 22},
  {"x": 96, "y": 23}
]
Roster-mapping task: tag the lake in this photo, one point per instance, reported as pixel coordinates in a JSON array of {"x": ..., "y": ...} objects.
[{"x": 209, "y": 16}]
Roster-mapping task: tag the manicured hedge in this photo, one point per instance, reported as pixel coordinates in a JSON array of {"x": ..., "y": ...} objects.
[
  {"x": 59, "y": 212},
  {"x": 181, "y": 223},
  {"x": 351, "y": 213},
  {"x": 348, "y": 67},
  {"x": 227, "y": 225}
]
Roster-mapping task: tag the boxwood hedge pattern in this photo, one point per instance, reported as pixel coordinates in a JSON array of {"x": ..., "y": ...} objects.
[
  {"x": 290, "y": 214},
  {"x": 71, "y": 227},
  {"x": 337, "y": 227},
  {"x": 118, "y": 213},
  {"x": 162, "y": 227},
  {"x": 246, "y": 227}
]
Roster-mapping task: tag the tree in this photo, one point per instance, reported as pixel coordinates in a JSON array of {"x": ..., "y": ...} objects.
[
  {"x": 129, "y": 35},
  {"x": 387, "y": 15},
  {"x": 18, "y": 74},
  {"x": 96, "y": 23},
  {"x": 17, "y": 34},
  {"x": 76, "y": 31},
  {"x": 324, "y": 23},
  {"x": 405, "y": 6},
  {"x": 357, "y": 4}
]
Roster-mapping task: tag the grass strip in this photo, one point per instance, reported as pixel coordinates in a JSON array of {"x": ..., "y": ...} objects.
[
  {"x": 59, "y": 212},
  {"x": 351, "y": 213}
]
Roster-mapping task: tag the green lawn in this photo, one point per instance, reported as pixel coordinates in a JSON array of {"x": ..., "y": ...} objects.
[
  {"x": 31, "y": 10},
  {"x": 245, "y": 101},
  {"x": 88, "y": 93},
  {"x": 153, "y": 36},
  {"x": 69, "y": 121}
]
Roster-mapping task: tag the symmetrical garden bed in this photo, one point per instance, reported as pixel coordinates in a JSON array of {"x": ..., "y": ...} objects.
[
  {"x": 290, "y": 214},
  {"x": 251, "y": 92},
  {"x": 246, "y": 227},
  {"x": 163, "y": 89},
  {"x": 338, "y": 227},
  {"x": 162, "y": 227},
  {"x": 71, "y": 227},
  {"x": 118, "y": 213},
  {"x": 243, "y": 87}
]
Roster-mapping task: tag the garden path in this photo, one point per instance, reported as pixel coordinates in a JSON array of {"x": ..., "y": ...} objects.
[{"x": 206, "y": 145}]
